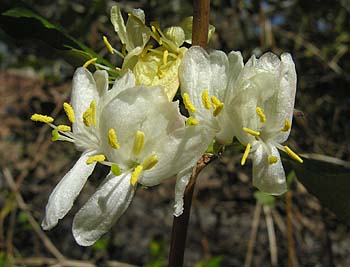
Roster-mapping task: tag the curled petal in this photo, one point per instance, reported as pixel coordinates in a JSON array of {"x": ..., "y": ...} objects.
[
  {"x": 62, "y": 198},
  {"x": 269, "y": 178},
  {"x": 103, "y": 209},
  {"x": 182, "y": 180}
]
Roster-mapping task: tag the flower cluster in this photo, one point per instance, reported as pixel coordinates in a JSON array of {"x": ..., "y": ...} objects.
[{"x": 136, "y": 129}]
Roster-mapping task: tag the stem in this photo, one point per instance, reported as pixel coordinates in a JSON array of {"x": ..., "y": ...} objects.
[
  {"x": 201, "y": 9},
  {"x": 180, "y": 224}
]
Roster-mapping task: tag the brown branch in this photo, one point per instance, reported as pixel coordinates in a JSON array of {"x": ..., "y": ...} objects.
[
  {"x": 180, "y": 224},
  {"x": 201, "y": 10}
]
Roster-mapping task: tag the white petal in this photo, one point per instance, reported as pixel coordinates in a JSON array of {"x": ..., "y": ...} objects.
[
  {"x": 138, "y": 33},
  {"x": 202, "y": 71},
  {"x": 267, "y": 177},
  {"x": 236, "y": 65},
  {"x": 135, "y": 109},
  {"x": 101, "y": 79},
  {"x": 118, "y": 23},
  {"x": 103, "y": 209},
  {"x": 83, "y": 92},
  {"x": 178, "y": 153},
  {"x": 181, "y": 182},
  {"x": 62, "y": 198},
  {"x": 119, "y": 85}
]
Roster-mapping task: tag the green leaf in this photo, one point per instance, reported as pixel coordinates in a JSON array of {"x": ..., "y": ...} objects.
[
  {"x": 25, "y": 24},
  {"x": 328, "y": 179},
  {"x": 212, "y": 262}
]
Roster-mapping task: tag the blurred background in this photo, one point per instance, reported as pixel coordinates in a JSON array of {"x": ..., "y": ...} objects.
[{"x": 231, "y": 224}]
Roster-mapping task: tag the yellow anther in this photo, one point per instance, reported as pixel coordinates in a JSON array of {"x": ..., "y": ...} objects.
[
  {"x": 108, "y": 45},
  {"x": 188, "y": 104},
  {"x": 87, "y": 117},
  {"x": 206, "y": 99},
  {"x": 118, "y": 69},
  {"x": 250, "y": 131},
  {"x": 292, "y": 154},
  {"x": 139, "y": 142},
  {"x": 93, "y": 112},
  {"x": 165, "y": 57},
  {"x": 115, "y": 169},
  {"x": 192, "y": 121},
  {"x": 150, "y": 161},
  {"x": 112, "y": 139},
  {"x": 218, "y": 109},
  {"x": 272, "y": 159},
  {"x": 286, "y": 126},
  {"x": 41, "y": 118},
  {"x": 64, "y": 128},
  {"x": 136, "y": 174},
  {"x": 216, "y": 102},
  {"x": 246, "y": 153},
  {"x": 95, "y": 158},
  {"x": 89, "y": 62},
  {"x": 69, "y": 112},
  {"x": 261, "y": 114}
]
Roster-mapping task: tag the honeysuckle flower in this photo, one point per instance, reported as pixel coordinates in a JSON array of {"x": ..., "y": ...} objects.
[
  {"x": 146, "y": 142},
  {"x": 152, "y": 66},
  {"x": 261, "y": 113},
  {"x": 206, "y": 88},
  {"x": 88, "y": 98}
]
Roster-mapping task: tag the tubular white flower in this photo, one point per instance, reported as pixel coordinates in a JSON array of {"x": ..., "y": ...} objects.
[
  {"x": 262, "y": 111},
  {"x": 204, "y": 85},
  {"x": 86, "y": 102},
  {"x": 152, "y": 144}
]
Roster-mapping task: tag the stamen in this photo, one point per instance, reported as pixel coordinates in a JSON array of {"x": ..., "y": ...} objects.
[
  {"x": 64, "y": 128},
  {"x": 206, "y": 99},
  {"x": 136, "y": 174},
  {"x": 292, "y": 154},
  {"x": 118, "y": 69},
  {"x": 95, "y": 158},
  {"x": 188, "y": 104},
  {"x": 112, "y": 139},
  {"x": 246, "y": 153},
  {"x": 41, "y": 118},
  {"x": 261, "y": 114},
  {"x": 108, "y": 45},
  {"x": 272, "y": 159},
  {"x": 250, "y": 131},
  {"x": 139, "y": 142},
  {"x": 191, "y": 121},
  {"x": 93, "y": 112},
  {"x": 87, "y": 117},
  {"x": 115, "y": 169},
  {"x": 286, "y": 126},
  {"x": 150, "y": 161},
  {"x": 218, "y": 109},
  {"x": 69, "y": 112},
  {"x": 89, "y": 62},
  {"x": 165, "y": 57}
]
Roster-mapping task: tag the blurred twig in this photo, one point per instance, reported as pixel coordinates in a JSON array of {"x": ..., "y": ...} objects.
[
  {"x": 291, "y": 250},
  {"x": 271, "y": 235},
  {"x": 23, "y": 206},
  {"x": 253, "y": 232}
]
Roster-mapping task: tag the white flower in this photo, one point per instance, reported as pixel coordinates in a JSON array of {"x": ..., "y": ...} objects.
[
  {"x": 135, "y": 131},
  {"x": 88, "y": 98},
  {"x": 206, "y": 80},
  {"x": 206, "y": 87},
  {"x": 148, "y": 144},
  {"x": 261, "y": 113}
]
